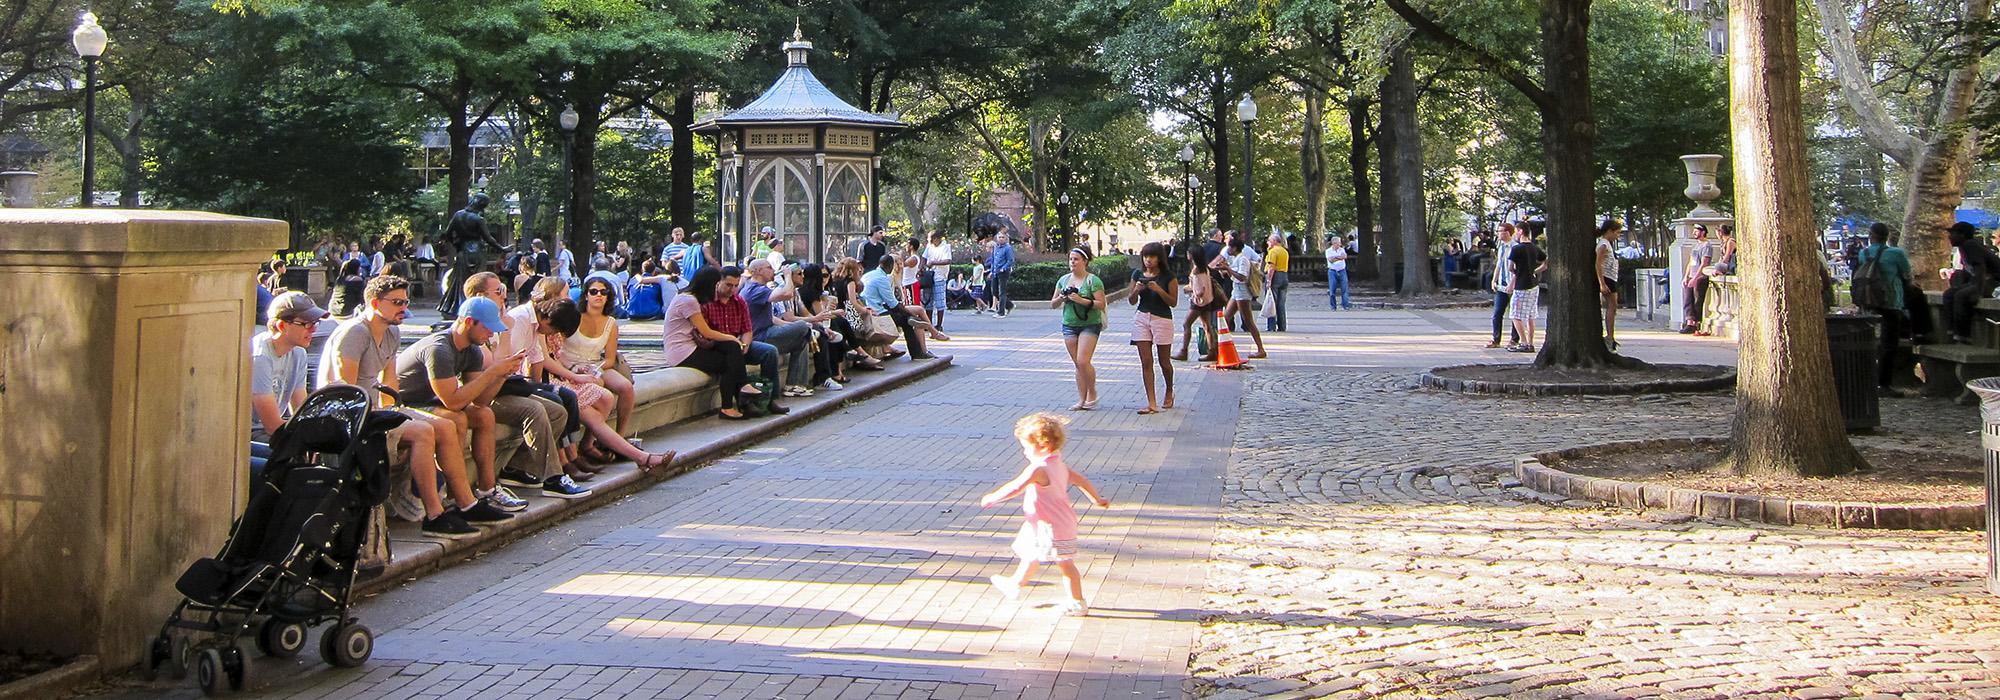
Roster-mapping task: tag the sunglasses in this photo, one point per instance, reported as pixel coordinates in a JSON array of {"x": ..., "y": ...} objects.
[
  {"x": 599, "y": 292},
  {"x": 301, "y": 324},
  {"x": 395, "y": 302}
]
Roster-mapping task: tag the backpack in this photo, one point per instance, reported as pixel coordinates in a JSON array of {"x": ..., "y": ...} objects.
[
  {"x": 757, "y": 405},
  {"x": 1868, "y": 289}
]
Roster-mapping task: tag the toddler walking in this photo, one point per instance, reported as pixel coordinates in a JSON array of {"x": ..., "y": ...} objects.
[{"x": 1049, "y": 534}]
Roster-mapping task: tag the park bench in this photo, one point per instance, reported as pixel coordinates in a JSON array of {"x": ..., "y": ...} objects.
[{"x": 1948, "y": 366}]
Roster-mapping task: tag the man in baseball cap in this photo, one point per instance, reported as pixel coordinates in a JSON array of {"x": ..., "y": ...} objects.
[
  {"x": 446, "y": 373},
  {"x": 278, "y": 374}
]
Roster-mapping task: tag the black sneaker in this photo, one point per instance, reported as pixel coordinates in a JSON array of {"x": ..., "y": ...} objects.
[
  {"x": 451, "y": 526},
  {"x": 516, "y": 477},
  {"x": 563, "y": 487},
  {"x": 484, "y": 513}
]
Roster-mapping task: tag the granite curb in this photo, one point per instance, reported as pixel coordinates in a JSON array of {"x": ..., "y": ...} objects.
[
  {"x": 53, "y": 683},
  {"x": 1431, "y": 379},
  {"x": 1535, "y": 474},
  {"x": 416, "y": 557}
]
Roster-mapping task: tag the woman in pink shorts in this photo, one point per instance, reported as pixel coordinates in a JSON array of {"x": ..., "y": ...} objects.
[{"x": 1155, "y": 291}]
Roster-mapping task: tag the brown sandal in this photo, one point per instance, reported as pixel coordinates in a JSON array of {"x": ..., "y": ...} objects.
[{"x": 655, "y": 461}]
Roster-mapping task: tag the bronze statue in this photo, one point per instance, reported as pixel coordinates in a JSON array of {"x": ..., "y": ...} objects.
[{"x": 474, "y": 247}]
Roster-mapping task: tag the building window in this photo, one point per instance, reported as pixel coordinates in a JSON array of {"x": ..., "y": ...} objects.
[{"x": 846, "y": 206}]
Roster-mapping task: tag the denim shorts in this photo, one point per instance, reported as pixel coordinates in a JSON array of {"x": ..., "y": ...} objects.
[{"x": 1070, "y": 331}]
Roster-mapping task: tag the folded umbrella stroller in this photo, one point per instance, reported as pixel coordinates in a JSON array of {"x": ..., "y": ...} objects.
[{"x": 289, "y": 564}]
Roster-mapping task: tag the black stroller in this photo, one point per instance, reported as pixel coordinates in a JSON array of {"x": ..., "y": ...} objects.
[{"x": 290, "y": 560}]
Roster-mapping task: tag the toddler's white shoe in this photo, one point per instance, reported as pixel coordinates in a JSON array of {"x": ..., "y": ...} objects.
[
  {"x": 1076, "y": 608},
  {"x": 1007, "y": 586}
]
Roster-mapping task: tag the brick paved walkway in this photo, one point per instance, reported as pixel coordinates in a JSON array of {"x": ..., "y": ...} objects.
[{"x": 1316, "y": 527}]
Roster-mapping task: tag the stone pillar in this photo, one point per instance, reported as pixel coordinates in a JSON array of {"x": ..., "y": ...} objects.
[
  {"x": 17, "y": 188},
  {"x": 124, "y": 408},
  {"x": 1702, "y": 189}
]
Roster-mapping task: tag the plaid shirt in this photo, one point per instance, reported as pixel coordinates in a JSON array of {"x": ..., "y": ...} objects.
[{"x": 728, "y": 314}]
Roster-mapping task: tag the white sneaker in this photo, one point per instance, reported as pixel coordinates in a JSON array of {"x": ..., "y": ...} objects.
[
  {"x": 504, "y": 499},
  {"x": 1006, "y": 585},
  {"x": 1076, "y": 608},
  {"x": 831, "y": 385}
]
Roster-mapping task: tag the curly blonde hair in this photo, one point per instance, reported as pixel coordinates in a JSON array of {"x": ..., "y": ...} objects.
[{"x": 1042, "y": 431}]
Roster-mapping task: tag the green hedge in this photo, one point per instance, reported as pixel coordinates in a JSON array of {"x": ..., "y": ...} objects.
[{"x": 1038, "y": 280}]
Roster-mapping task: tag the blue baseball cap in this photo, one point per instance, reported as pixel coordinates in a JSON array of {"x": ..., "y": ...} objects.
[{"x": 484, "y": 311}]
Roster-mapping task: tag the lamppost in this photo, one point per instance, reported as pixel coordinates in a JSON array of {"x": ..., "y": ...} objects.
[
  {"x": 1187, "y": 194},
  {"x": 1062, "y": 212},
  {"x": 567, "y": 120},
  {"x": 969, "y": 235},
  {"x": 1246, "y": 112},
  {"x": 89, "y": 40}
]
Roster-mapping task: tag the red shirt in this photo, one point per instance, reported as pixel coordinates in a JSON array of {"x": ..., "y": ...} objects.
[{"x": 727, "y": 314}]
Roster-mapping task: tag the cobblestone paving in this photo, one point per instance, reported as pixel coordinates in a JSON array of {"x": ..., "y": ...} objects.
[{"x": 1370, "y": 549}]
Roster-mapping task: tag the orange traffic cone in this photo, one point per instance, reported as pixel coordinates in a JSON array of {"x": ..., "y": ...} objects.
[{"x": 1225, "y": 347}]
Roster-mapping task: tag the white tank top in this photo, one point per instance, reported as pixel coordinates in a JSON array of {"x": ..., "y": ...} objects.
[{"x": 583, "y": 349}]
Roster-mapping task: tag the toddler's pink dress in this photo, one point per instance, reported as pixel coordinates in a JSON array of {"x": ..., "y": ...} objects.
[{"x": 1049, "y": 535}]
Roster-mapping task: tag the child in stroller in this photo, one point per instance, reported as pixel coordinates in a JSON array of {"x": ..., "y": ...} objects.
[{"x": 289, "y": 563}]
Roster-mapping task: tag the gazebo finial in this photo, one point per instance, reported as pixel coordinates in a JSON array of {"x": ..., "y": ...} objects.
[
  {"x": 798, "y": 48},
  {"x": 798, "y": 29}
]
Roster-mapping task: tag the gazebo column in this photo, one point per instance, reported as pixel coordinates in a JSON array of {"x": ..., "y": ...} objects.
[
  {"x": 819, "y": 209},
  {"x": 721, "y": 194},
  {"x": 742, "y": 235},
  {"x": 874, "y": 192}
]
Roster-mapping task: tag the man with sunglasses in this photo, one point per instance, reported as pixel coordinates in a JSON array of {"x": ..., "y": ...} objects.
[
  {"x": 362, "y": 352},
  {"x": 278, "y": 363}
]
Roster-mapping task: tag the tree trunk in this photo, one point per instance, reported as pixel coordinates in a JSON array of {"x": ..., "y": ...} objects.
[
  {"x": 1038, "y": 168},
  {"x": 1362, "y": 266},
  {"x": 1787, "y": 418},
  {"x": 1575, "y": 329},
  {"x": 1399, "y": 115},
  {"x": 583, "y": 166},
  {"x": 131, "y": 165},
  {"x": 681, "y": 203},
  {"x": 459, "y": 175},
  {"x": 1937, "y": 182},
  {"x": 1390, "y": 242},
  {"x": 1312, "y": 163},
  {"x": 1224, "y": 116}
]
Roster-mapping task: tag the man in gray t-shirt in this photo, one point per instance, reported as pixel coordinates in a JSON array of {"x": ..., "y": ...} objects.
[
  {"x": 434, "y": 357},
  {"x": 278, "y": 363},
  {"x": 353, "y": 342}
]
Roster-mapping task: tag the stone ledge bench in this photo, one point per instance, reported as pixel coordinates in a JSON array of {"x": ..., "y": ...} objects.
[{"x": 1948, "y": 366}]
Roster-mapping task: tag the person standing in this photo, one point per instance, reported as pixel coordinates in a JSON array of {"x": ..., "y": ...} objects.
[
  {"x": 1153, "y": 326},
  {"x": 1080, "y": 295},
  {"x": 1892, "y": 271},
  {"x": 1000, "y": 268},
  {"x": 1607, "y": 279},
  {"x": 1503, "y": 280},
  {"x": 1696, "y": 276},
  {"x": 937, "y": 257},
  {"x": 1202, "y": 303},
  {"x": 1524, "y": 291},
  {"x": 1336, "y": 277},
  {"x": 874, "y": 248},
  {"x": 1277, "y": 278}
]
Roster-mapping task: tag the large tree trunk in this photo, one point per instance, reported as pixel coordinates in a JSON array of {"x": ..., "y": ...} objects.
[
  {"x": 1937, "y": 182},
  {"x": 1787, "y": 418},
  {"x": 1312, "y": 163},
  {"x": 1362, "y": 266},
  {"x": 680, "y": 208},
  {"x": 583, "y": 166},
  {"x": 458, "y": 130},
  {"x": 1575, "y": 332},
  {"x": 129, "y": 145},
  {"x": 1399, "y": 116},
  {"x": 1038, "y": 173},
  {"x": 1390, "y": 241}
]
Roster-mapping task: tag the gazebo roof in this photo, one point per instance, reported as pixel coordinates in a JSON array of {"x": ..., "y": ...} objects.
[{"x": 796, "y": 97}]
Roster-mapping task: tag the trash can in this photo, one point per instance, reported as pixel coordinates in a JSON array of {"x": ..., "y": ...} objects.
[
  {"x": 1989, "y": 440},
  {"x": 1850, "y": 338}
]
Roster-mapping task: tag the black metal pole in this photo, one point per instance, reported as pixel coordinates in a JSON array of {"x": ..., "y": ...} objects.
[
  {"x": 1249, "y": 197},
  {"x": 968, "y": 213},
  {"x": 569, "y": 190},
  {"x": 1187, "y": 203},
  {"x": 89, "y": 126}
]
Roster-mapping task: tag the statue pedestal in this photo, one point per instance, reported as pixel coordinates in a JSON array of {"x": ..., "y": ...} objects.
[
  {"x": 1682, "y": 249},
  {"x": 124, "y": 406}
]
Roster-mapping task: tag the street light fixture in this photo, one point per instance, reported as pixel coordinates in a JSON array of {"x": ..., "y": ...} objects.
[
  {"x": 969, "y": 234},
  {"x": 567, "y": 120},
  {"x": 1246, "y": 112},
  {"x": 89, "y": 40}
]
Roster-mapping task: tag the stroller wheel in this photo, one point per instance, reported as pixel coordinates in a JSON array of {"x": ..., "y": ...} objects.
[
  {"x": 208, "y": 672},
  {"x": 346, "y": 645},
  {"x": 182, "y": 659},
  {"x": 281, "y": 639},
  {"x": 236, "y": 664}
]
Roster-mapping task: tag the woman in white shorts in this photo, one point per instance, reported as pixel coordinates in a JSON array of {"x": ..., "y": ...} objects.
[{"x": 1155, "y": 291}]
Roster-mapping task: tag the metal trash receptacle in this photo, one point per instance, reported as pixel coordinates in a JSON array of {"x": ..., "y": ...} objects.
[
  {"x": 1989, "y": 441},
  {"x": 1851, "y": 340}
]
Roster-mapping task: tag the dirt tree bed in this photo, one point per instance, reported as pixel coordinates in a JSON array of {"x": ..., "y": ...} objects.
[{"x": 1894, "y": 476}]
